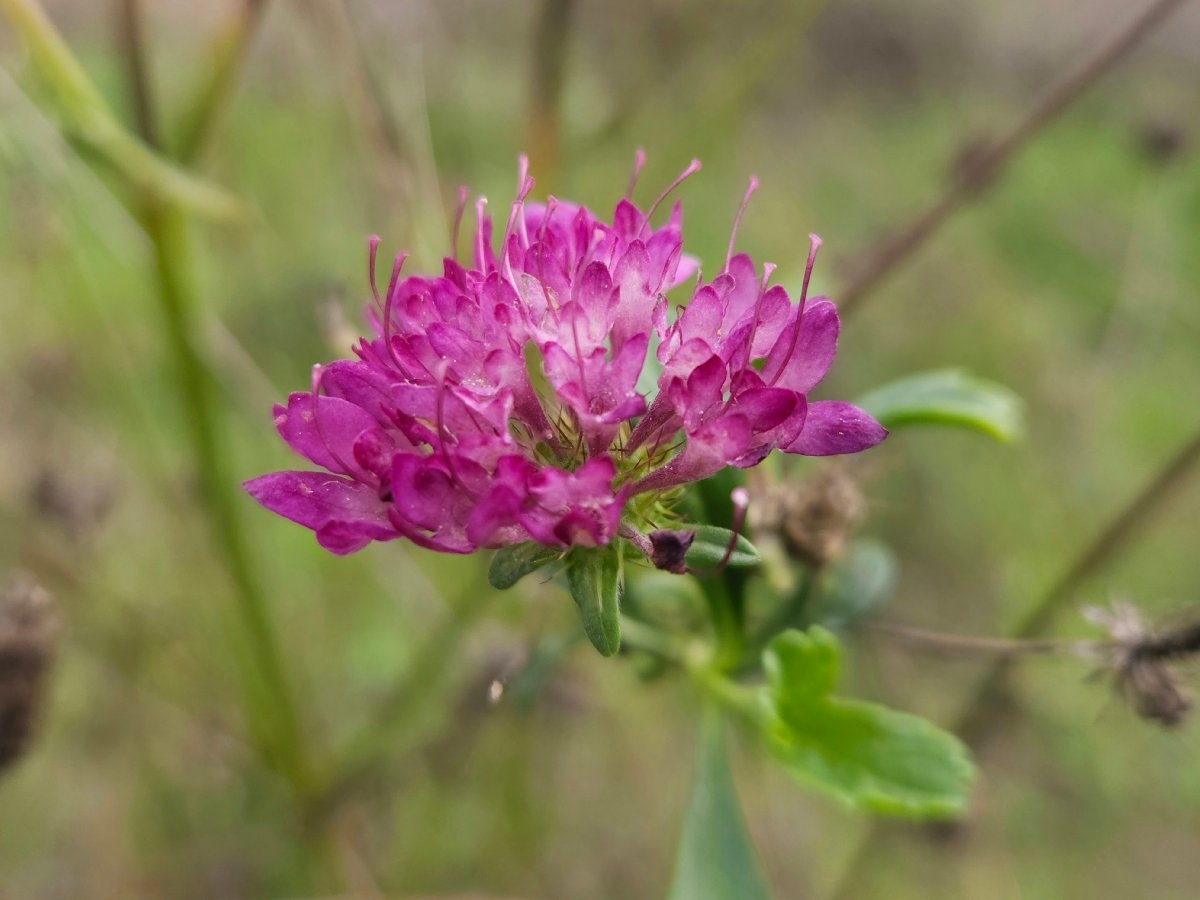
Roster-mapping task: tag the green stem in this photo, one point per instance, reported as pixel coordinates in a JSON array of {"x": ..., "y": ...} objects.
[{"x": 271, "y": 711}]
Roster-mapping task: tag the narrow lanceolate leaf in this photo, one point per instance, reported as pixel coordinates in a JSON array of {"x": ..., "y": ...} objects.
[
  {"x": 511, "y": 564},
  {"x": 947, "y": 397},
  {"x": 594, "y": 579},
  {"x": 863, "y": 754},
  {"x": 716, "y": 859},
  {"x": 711, "y": 544}
]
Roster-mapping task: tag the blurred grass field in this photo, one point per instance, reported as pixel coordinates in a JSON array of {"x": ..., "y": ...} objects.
[{"x": 1074, "y": 282}]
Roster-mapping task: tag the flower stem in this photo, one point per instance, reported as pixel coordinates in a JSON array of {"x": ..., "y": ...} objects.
[{"x": 985, "y": 166}]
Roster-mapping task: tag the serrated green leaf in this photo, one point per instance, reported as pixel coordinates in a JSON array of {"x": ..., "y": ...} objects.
[
  {"x": 716, "y": 859},
  {"x": 863, "y": 754},
  {"x": 856, "y": 585},
  {"x": 710, "y": 544},
  {"x": 594, "y": 580},
  {"x": 511, "y": 564},
  {"x": 947, "y": 397}
]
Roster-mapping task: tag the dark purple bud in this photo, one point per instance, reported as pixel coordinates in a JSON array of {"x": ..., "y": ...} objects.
[{"x": 670, "y": 549}]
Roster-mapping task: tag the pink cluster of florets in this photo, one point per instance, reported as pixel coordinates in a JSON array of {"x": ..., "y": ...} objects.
[{"x": 515, "y": 400}]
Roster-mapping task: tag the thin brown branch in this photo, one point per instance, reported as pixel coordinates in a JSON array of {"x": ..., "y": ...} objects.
[
  {"x": 971, "y": 645},
  {"x": 986, "y": 165}
]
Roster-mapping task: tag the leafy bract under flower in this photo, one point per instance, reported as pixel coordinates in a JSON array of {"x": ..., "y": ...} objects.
[{"x": 498, "y": 403}]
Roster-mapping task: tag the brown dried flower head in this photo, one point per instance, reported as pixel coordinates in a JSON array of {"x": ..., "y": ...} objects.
[{"x": 813, "y": 518}]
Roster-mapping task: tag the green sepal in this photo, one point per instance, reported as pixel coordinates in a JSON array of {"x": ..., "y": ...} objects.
[
  {"x": 511, "y": 564},
  {"x": 594, "y": 580}
]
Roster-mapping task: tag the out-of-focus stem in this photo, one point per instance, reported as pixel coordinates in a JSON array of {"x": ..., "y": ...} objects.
[
  {"x": 551, "y": 42},
  {"x": 227, "y": 54},
  {"x": 271, "y": 712},
  {"x": 986, "y": 165},
  {"x": 130, "y": 35}
]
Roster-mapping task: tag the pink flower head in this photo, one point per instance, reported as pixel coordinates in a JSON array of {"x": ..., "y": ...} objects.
[{"x": 504, "y": 401}]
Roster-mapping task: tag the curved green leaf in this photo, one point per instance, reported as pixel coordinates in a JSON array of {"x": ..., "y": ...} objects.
[{"x": 948, "y": 397}]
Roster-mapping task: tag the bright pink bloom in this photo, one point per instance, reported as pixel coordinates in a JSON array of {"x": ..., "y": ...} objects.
[{"x": 500, "y": 403}]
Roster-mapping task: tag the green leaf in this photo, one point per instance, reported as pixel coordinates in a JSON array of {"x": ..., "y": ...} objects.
[
  {"x": 855, "y": 586},
  {"x": 594, "y": 579},
  {"x": 716, "y": 859},
  {"x": 511, "y": 564},
  {"x": 947, "y": 397},
  {"x": 863, "y": 754},
  {"x": 710, "y": 544}
]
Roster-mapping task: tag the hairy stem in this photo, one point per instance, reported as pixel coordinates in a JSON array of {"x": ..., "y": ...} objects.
[{"x": 982, "y": 169}]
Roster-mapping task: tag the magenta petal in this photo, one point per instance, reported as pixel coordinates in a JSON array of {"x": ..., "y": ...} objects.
[
  {"x": 833, "y": 427},
  {"x": 317, "y": 500},
  {"x": 765, "y": 407},
  {"x": 326, "y": 435},
  {"x": 499, "y": 510},
  {"x": 799, "y": 363}
]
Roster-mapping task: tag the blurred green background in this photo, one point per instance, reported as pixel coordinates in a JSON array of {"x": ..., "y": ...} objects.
[{"x": 1073, "y": 281}]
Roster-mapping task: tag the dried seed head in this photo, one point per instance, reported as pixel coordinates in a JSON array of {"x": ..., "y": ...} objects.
[
  {"x": 815, "y": 517},
  {"x": 1139, "y": 661},
  {"x": 29, "y": 626}
]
